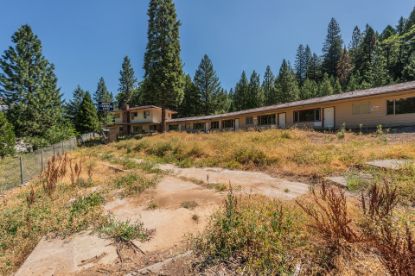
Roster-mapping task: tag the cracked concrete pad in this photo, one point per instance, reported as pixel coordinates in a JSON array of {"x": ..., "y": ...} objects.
[
  {"x": 68, "y": 256},
  {"x": 171, "y": 222},
  {"x": 249, "y": 182},
  {"x": 390, "y": 164}
]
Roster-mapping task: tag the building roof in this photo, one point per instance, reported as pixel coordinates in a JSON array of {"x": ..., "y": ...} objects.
[
  {"x": 145, "y": 107},
  {"x": 337, "y": 97}
]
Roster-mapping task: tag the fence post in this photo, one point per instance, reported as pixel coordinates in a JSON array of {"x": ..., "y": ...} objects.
[
  {"x": 63, "y": 151},
  {"x": 21, "y": 170},
  {"x": 53, "y": 147}
]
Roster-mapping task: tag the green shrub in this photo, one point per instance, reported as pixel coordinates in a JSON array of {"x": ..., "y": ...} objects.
[
  {"x": 7, "y": 137},
  {"x": 135, "y": 184},
  {"x": 124, "y": 230},
  {"x": 84, "y": 204},
  {"x": 257, "y": 232}
]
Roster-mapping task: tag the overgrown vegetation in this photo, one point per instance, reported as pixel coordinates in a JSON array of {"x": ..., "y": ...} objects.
[
  {"x": 254, "y": 235},
  {"x": 134, "y": 183}
]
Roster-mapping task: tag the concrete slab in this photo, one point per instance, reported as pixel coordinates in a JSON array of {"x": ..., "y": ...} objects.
[
  {"x": 68, "y": 256},
  {"x": 249, "y": 182},
  {"x": 390, "y": 164}
]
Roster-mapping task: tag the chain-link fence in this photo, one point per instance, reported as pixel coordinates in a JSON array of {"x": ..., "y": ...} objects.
[{"x": 15, "y": 171}]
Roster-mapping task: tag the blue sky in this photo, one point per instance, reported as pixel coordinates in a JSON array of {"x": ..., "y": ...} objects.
[{"x": 87, "y": 39}]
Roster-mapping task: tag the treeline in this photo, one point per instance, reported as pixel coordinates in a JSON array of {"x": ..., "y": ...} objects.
[{"x": 370, "y": 59}]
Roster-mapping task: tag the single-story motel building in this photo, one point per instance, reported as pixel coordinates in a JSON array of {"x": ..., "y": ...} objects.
[{"x": 389, "y": 106}]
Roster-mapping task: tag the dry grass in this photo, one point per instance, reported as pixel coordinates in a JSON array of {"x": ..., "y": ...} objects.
[
  {"x": 68, "y": 197},
  {"x": 288, "y": 152}
]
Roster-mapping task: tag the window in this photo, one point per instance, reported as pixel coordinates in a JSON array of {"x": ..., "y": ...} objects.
[
  {"x": 146, "y": 114},
  {"x": 266, "y": 120},
  {"x": 361, "y": 108},
  {"x": 214, "y": 125},
  {"x": 228, "y": 124},
  {"x": 401, "y": 106},
  {"x": 137, "y": 129},
  {"x": 199, "y": 126},
  {"x": 133, "y": 115},
  {"x": 173, "y": 127},
  {"x": 310, "y": 115},
  {"x": 249, "y": 121}
]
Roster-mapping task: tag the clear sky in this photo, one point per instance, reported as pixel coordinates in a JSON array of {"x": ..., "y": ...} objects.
[{"x": 87, "y": 39}]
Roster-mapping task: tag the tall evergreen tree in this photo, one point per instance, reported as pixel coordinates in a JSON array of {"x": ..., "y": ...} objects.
[
  {"x": 326, "y": 87},
  {"x": 255, "y": 96},
  {"x": 72, "y": 107},
  {"x": 344, "y": 68},
  {"x": 408, "y": 73},
  {"x": 378, "y": 74},
  {"x": 308, "y": 56},
  {"x": 127, "y": 83},
  {"x": 7, "y": 138},
  {"x": 400, "y": 28},
  {"x": 28, "y": 86},
  {"x": 208, "y": 85},
  {"x": 268, "y": 87},
  {"x": 301, "y": 64},
  {"x": 410, "y": 21},
  {"x": 309, "y": 89},
  {"x": 286, "y": 84},
  {"x": 103, "y": 98},
  {"x": 314, "y": 68},
  {"x": 191, "y": 104},
  {"x": 387, "y": 32},
  {"x": 332, "y": 48},
  {"x": 86, "y": 119},
  {"x": 366, "y": 52},
  {"x": 241, "y": 93},
  {"x": 163, "y": 78}
]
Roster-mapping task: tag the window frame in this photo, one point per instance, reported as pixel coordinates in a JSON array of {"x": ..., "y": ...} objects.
[
  {"x": 216, "y": 124},
  {"x": 395, "y": 101},
  {"x": 270, "y": 119},
  {"x": 297, "y": 115},
  {"x": 249, "y": 121},
  {"x": 227, "y": 121}
]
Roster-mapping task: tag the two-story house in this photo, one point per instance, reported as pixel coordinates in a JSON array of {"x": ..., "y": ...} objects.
[{"x": 137, "y": 120}]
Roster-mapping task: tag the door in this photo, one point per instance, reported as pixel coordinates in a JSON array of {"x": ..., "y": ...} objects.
[
  {"x": 328, "y": 118},
  {"x": 281, "y": 120}
]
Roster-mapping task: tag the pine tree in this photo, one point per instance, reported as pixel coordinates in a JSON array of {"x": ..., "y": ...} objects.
[
  {"x": 208, "y": 85},
  {"x": 309, "y": 89},
  {"x": 332, "y": 49},
  {"x": 86, "y": 119},
  {"x": 409, "y": 70},
  {"x": 337, "y": 88},
  {"x": 400, "y": 28},
  {"x": 127, "y": 83},
  {"x": 353, "y": 83},
  {"x": 191, "y": 104},
  {"x": 301, "y": 64},
  {"x": 344, "y": 68},
  {"x": 72, "y": 107},
  {"x": 28, "y": 86},
  {"x": 387, "y": 32},
  {"x": 164, "y": 80},
  {"x": 366, "y": 52},
  {"x": 286, "y": 84},
  {"x": 255, "y": 96},
  {"x": 308, "y": 58},
  {"x": 355, "y": 43},
  {"x": 314, "y": 68},
  {"x": 7, "y": 138},
  {"x": 326, "y": 87},
  {"x": 378, "y": 74},
  {"x": 241, "y": 93},
  {"x": 268, "y": 87},
  {"x": 410, "y": 21},
  {"x": 103, "y": 98}
]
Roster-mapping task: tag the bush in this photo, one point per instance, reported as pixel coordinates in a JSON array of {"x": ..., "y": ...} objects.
[
  {"x": 7, "y": 137},
  {"x": 258, "y": 233},
  {"x": 247, "y": 156},
  {"x": 135, "y": 184},
  {"x": 83, "y": 204},
  {"x": 124, "y": 230}
]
